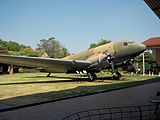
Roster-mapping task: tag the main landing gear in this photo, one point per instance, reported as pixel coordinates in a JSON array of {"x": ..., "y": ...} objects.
[
  {"x": 92, "y": 76},
  {"x": 116, "y": 74}
]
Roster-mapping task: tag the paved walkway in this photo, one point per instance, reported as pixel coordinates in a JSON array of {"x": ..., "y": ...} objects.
[{"x": 57, "y": 110}]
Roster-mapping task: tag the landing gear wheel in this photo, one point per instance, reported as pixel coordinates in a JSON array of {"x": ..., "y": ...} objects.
[
  {"x": 92, "y": 76},
  {"x": 117, "y": 76}
]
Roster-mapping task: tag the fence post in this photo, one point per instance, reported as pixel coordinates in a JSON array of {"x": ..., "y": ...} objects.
[
  {"x": 78, "y": 116},
  {"x": 140, "y": 110},
  {"x": 110, "y": 113}
]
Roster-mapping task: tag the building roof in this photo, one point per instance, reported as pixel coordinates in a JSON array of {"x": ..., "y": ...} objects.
[
  {"x": 152, "y": 42},
  {"x": 154, "y": 5}
]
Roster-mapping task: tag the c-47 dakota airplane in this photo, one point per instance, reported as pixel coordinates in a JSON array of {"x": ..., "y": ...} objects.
[{"x": 109, "y": 56}]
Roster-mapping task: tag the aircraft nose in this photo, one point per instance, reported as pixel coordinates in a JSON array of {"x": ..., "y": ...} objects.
[{"x": 142, "y": 47}]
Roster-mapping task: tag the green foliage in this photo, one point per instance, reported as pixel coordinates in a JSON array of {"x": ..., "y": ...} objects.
[
  {"x": 12, "y": 46},
  {"x": 30, "y": 52},
  {"x": 14, "y": 53},
  {"x": 27, "y": 70},
  {"x": 15, "y": 48},
  {"x": 101, "y": 42},
  {"x": 93, "y": 45},
  {"x": 26, "y": 52},
  {"x": 53, "y": 48}
]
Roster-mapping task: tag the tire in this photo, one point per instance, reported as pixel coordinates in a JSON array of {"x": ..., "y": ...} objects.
[
  {"x": 118, "y": 74},
  {"x": 91, "y": 76}
]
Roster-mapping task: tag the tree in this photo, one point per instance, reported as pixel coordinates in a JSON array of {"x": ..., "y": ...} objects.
[
  {"x": 30, "y": 52},
  {"x": 101, "y": 42},
  {"x": 15, "y": 48},
  {"x": 53, "y": 48},
  {"x": 93, "y": 45},
  {"x": 12, "y": 46},
  {"x": 63, "y": 53}
]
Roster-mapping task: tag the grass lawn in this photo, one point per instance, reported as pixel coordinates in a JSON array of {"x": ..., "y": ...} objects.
[{"x": 27, "y": 88}]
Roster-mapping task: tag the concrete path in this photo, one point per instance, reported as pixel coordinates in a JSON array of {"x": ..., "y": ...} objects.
[{"x": 57, "y": 110}]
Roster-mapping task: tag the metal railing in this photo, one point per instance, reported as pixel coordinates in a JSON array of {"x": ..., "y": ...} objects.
[{"x": 146, "y": 112}]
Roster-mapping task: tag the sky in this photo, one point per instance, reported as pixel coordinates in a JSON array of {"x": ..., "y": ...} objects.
[{"x": 76, "y": 23}]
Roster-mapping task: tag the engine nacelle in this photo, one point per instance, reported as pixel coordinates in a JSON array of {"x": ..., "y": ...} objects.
[{"x": 104, "y": 60}]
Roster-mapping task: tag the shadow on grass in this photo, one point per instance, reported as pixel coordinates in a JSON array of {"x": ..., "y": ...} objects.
[
  {"x": 51, "y": 77},
  {"x": 69, "y": 79},
  {"x": 73, "y": 77},
  {"x": 49, "y": 81},
  {"x": 48, "y": 97}
]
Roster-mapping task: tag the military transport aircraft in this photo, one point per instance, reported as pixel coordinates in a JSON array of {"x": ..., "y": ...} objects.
[{"x": 109, "y": 56}]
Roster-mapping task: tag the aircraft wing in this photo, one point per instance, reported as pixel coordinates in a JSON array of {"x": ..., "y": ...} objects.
[{"x": 53, "y": 65}]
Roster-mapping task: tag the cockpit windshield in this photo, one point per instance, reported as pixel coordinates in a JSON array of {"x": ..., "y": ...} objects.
[
  {"x": 128, "y": 43},
  {"x": 125, "y": 44}
]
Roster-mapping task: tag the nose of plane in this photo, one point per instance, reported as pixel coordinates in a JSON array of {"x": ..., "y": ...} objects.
[{"x": 142, "y": 47}]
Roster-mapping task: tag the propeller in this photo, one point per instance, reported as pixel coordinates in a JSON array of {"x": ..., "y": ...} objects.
[{"x": 103, "y": 61}]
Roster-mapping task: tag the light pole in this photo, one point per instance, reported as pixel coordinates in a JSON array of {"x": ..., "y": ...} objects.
[{"x": 143, "y": 64}]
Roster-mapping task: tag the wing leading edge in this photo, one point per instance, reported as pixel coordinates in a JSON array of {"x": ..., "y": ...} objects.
[{"x": 53, "y": 65}]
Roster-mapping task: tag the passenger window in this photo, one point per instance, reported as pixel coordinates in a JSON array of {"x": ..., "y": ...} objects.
[{"x": 125, "y": 44}]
